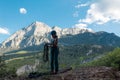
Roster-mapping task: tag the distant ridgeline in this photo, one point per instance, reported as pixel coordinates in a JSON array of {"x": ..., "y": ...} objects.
[{"x": 32, "y": 38}]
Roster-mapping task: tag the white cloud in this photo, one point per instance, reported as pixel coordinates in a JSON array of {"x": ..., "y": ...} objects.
[
  {"x": 102, "y": 12},
  {"x": 4, "y": 31},
  {"x": 76, "y": 14},
  {"x": 81, "y": 25},
  {"x": 82, "y": 5},
  {"x": 23, "y": 11}
]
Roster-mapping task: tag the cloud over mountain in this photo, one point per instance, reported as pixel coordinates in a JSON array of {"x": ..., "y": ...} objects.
[{"x": 4, "y": 31}]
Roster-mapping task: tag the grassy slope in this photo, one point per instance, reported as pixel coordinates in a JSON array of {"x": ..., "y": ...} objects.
[
  {"x": 69, "y": 56},
  {"x": 112, "y": 59}
]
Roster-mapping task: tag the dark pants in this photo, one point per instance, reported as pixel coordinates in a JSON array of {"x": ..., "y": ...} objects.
[{"x": 54, "y": 59}]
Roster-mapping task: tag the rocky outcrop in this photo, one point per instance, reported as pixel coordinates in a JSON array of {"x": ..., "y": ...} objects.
[
  {"x": 85, "y": 73},
  {"x": 89, "y": 73},
  {"x": 92, "y": 73},
  {"x": 27, "y": 69}
]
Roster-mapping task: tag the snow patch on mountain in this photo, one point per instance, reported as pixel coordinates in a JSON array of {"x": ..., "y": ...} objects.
[{"x": 38, "y": 33}]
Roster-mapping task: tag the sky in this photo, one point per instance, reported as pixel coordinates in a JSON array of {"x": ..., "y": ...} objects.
[{"x": 98, "y": 15}]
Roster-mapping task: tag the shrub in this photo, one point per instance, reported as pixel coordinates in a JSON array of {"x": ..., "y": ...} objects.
[
  {"x": 111, "y": 59},
  {"x": 2, "y": 67}
]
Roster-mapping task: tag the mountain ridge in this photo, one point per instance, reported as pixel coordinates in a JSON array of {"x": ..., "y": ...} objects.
[
  {"x": 98, "y": 38},
  {"x": 37, "y": 33}
]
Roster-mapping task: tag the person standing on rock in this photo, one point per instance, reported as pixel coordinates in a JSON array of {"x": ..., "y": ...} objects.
[{"x": 54, "y": 52}]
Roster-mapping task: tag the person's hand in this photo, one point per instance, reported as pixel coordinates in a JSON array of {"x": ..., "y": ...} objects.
[{"x": 45, "y": 43}]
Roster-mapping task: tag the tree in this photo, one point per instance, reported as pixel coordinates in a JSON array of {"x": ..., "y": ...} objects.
[{"x": 2, "y": 67}]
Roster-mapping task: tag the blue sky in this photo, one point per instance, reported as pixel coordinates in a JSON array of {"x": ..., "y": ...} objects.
[{"x": 99, "y": 15}]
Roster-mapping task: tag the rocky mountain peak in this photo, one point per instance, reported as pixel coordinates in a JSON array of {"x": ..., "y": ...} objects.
[
  {"x": 83, "y": 29},
  {"x": 38, "y": 32},
  {"x": 38, "y": 28},
  {"x": 56, "y": 28},
  {"x": 28, "y": 36}
]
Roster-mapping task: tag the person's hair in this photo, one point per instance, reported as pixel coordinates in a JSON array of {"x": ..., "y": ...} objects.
[{"x": 53, "y": 32}]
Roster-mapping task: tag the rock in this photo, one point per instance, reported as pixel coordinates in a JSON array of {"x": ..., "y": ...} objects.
[
  {"x": 27, "y": 69},
  {"x": 92, "y": 73},
  {"x": 118, "y": 74},
  {"x": 84, "y": 73}
]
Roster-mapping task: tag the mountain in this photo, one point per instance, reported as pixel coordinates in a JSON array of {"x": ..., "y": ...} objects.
[
  {"x": 71, "y": 31},
  {"x": 97, "y": 38},
  {"x": 0, "y": 44},
  {"x": 36, "y": 34}
]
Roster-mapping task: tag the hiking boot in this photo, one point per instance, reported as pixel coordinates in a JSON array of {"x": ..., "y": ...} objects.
[
  {"x": 52, "y": 72},
  {"x": 55, "y": 72}
]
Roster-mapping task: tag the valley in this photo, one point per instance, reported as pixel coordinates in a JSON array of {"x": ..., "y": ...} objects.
[{"x": 78, "y": 47}]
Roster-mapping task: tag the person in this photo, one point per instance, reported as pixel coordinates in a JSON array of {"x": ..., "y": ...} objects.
[{"x": 54, "y": 52}]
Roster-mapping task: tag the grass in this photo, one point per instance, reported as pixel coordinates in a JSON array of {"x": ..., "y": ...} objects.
[
  {"x": 22, "y": 52},
  {"x": 19, "y": 58}
]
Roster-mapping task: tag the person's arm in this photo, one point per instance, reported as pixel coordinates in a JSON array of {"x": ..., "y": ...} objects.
[
  {"x": 49, "y": 44},
  {"x": 54, "y": 43}
]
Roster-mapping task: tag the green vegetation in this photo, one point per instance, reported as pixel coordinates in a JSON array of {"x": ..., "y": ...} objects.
[
  {"x": 4, "y": 70},
  {"x": 2, "y": 67},
  {"x": 22, "y": 52},
  {"x": 69, "y": 56},
  {"x": 112, "y": 59},
  {"x": 78, "y": 54},
  {"x": 74, "y": 56}
]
